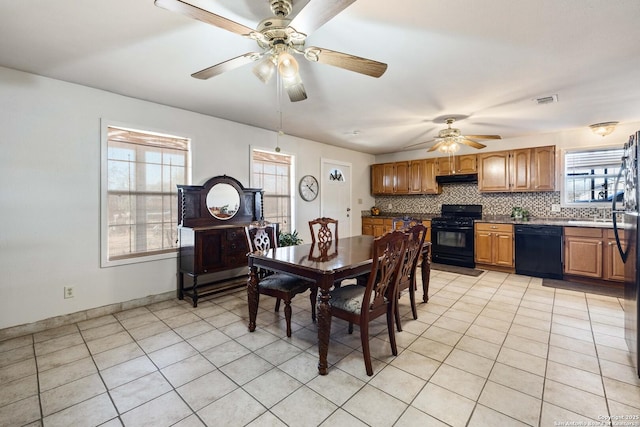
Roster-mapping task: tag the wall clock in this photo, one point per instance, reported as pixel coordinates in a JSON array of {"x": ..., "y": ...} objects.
[{"x": 308, "y": 188}]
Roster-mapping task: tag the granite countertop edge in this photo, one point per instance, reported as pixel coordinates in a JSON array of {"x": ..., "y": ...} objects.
[{"x": 502, "y": 219}]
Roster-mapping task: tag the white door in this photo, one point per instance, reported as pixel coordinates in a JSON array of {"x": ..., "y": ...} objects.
[{"x": 335, "y": 191}]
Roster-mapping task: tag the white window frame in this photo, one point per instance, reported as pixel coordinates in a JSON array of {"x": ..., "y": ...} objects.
[
  {"x": 104, "y": 223},
  {"x": 292, "y": 189},
  {"x": 563, "y": 181}
]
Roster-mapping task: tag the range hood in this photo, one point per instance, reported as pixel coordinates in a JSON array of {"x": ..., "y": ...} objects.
[{"x": 449, "y": 179}]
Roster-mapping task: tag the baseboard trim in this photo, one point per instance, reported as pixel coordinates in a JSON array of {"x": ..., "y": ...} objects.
[{"x": 67, "y": 319}]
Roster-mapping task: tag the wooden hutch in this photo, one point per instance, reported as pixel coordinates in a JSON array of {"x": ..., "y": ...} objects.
[{"x": 211, "y": 237}]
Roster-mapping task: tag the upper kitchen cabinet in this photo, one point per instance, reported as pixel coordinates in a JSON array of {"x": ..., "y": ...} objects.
[
  {"x": 382, "y": 178},
  {"x": 401, "y": 177},
  {"x": 544, "y": 163},
  {"x": 423, "y": 177},
  {"x": 457, "y": 165},
  {"x": 528, "y": 169},
  {"x": 408, "y": 177}
]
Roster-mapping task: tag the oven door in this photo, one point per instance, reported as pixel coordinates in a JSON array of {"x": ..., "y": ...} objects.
[{"x": 452, "y": 245}]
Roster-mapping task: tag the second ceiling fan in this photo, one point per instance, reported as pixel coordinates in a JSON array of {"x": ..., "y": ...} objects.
[
  {"x": 279, "y": 37},
  {"x": 448, "y": 139}
]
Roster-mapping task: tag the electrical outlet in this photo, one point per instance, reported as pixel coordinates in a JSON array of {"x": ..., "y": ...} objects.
[
  {"x": 390, "y": 206},
  {"x": 68, "y": 292},
  {"x": 555, "y": 207}
]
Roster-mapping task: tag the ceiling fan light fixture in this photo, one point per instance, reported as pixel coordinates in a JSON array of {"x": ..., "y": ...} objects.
[
  {"x": 449, "y": 145},
  {"x": 603, "y": 129},
  {"x": 265, "y": 69},
  {"x": 287, "y": 66}
]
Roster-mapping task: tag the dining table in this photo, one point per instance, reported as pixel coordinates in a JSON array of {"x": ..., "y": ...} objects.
[{"x": 344, "y": 258}]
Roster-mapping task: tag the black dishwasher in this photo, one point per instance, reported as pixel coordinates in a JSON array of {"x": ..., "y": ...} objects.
[{"x": 539, "y": 250}]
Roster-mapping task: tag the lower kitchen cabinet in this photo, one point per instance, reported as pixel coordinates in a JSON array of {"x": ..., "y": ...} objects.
[
  {"x": 592, "y": 253},
  {"x": 493, "y": 245},
  {"x": 583, "y": 251},
  {"x": 613, "y": 264},
  {"x": 376, "y": 226},
  {"x": 372, "y": 226}
]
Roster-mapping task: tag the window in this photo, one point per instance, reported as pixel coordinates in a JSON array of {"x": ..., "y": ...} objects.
[
  {"x": 590, "y": 175},
  {"x": 140, "y": 174},
  {"x": 272, "y": 173}
]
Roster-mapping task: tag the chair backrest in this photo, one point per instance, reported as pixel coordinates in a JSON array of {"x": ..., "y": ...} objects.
[
  {"x": 412, "y": 249},
  {"x": 388, "y": 252},
  {"x": 323, "y": 230},
  {"x": 404, "y": 223},
  {"x": 261, "y": 236}
]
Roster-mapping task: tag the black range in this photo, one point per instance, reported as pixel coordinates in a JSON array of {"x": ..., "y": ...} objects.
[{"x": 452, "y": 235}]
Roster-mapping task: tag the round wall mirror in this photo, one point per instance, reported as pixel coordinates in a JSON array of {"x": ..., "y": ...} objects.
[{"x": 223, "y": 201}]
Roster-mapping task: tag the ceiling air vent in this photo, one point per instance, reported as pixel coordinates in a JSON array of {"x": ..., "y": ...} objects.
[{"x": 547, "y": 99}]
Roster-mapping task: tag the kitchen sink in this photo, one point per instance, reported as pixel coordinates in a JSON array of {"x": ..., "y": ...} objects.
[{"x": 591, "y": 222}]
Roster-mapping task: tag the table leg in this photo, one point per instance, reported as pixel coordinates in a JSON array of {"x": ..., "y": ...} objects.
[
  {"x": 252, "y": 297},
  {"x": 426, "y": 272},
  {"x": 324, "y": 327}
]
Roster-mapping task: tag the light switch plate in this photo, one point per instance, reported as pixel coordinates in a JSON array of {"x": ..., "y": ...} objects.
[{"x": 555, "y": 207}]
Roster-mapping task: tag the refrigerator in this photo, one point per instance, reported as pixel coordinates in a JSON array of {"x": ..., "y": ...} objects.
[{"x": 626, "y": 221}]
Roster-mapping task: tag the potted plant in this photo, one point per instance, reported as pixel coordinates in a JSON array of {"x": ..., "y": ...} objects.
[{"x": 289, "y": 239}]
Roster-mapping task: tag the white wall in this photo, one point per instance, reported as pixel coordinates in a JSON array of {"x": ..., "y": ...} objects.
[{"x": 50, "y": 190}]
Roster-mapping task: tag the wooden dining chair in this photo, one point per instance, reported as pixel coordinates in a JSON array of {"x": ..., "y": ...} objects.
[
  {"x": 260, "y": 238},
  {"x": 323, "y": 230},
  {"x": 407, "y": 273},
  {"x": 324, "y": 235},
  {"x": 362, "y": 304}
]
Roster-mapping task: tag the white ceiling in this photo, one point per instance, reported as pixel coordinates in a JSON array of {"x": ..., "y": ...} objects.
[{"x": 481, "y": 60}]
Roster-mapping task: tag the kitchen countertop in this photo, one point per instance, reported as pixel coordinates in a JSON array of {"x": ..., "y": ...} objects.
[{"x": 505, "y": 219}]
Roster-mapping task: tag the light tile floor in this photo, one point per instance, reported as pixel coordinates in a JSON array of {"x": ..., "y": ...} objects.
[{"x": 493, "y": 350}]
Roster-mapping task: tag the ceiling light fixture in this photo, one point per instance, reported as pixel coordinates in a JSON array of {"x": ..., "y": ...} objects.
[
  {"x": 603, "y": 129},
  {"x": 288, "y": 70},
  {"x": 449, "y": 144},
  {"x": 264, "y": 69}
]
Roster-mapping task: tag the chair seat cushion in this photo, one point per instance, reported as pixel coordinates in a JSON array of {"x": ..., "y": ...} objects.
[
  {"x": 348, "y": 298},
  {"x": 284, "y": 283}
]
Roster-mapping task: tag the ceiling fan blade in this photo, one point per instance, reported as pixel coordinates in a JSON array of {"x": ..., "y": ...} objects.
[
  {"x": 317, "y": 13},
  {"x": 225, "y": 66},
  {"x": 436, "y": 146},
  {"x": 473, "y": 144},
  {"x": 296, "y": 92},
  {"x": 360, "y": 65},
  {"x": 415, "y": 145},
  {"x": 483, "y": 136},
  {"x": 188, "y": 9}
]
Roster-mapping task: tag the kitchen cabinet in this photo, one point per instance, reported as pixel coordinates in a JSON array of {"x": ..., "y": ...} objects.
[
  {"x": 457, "y": 164},
  {"x": 373, "y": 226},
  {"x": 613, "y": 266},
  {"x": 408, "y": 177},
  {"x": 583, "y": 251},
  {"x": 544, "y": 168},
  {"x": 401, "y": 177},
  {"x": 493, "y": 244},
  {"x": 423, "y": 177},
  {"x": 528, "y": 169},
  {"x": 382, "y": 178},
  {"x": 593, "y": 253}
]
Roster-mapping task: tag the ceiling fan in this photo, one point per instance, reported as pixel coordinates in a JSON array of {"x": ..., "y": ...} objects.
[
  {"x": 279, "y": 37},
  {"x": 449, "y": 139}
]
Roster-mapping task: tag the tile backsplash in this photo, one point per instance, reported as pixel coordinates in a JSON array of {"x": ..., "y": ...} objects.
[{"x": 537, "y": 203}]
